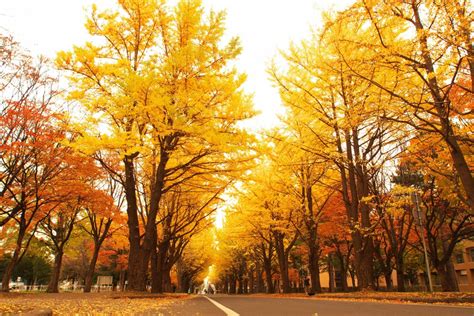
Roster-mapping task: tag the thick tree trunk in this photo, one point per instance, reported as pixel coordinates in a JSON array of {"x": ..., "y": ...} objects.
[
  {"x": 363, "y": 248},
  {"x": 282, "y": 264},
  {"x": 156, "y": 274},
  {"x": 355, "y": 188},
  {"x": 267, "y": 265},
  {"x": 345, "y": 287},
  {"x": 167, "y": 286},
  {"x": 447, "y": 279},
  {"x": 158, "y": 267},
  {"x": 344, "y": 267},
  {"x": 140, "y": 253},
  {"x": 136, "y": 275},
  {"x": 7, "y": 274},
  {"x": 400, "y": 268},
  {"x": 53, "y": 286},
  {"x": 313, "y": 267}
]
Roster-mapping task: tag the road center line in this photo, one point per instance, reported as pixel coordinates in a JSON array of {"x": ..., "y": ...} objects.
[{"x": 226, "y": 310}]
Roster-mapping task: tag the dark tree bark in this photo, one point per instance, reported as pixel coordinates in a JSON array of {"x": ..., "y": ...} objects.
[
  {"x": 141, "y": 252},
  {"x": 59, "y": 233},
  {"x": 267, "y": 265},
  {"x": 99, "y": 232},
  {"x": 232, "y": 284},
  {"x": 251, "y": 281},
  {"x": 7, "y": 274},
  {"x": 282, "y": 256},
  {"x": 259, "y": 277},
  {"x": 53, "y": 286},
  {"x": 90, "y": 271},
  {"x": 332, "y": 284},
  {"x": 400, "y": 268},
  {"x": 226, "y": 284}
]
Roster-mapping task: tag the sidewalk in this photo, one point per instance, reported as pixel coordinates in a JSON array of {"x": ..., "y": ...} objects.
[{"x": 455, "y": 298}]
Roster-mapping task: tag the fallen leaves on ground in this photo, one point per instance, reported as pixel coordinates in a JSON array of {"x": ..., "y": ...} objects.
[
  {"x": 455, "y": 298},
  {"x": 86, "y": 303}
]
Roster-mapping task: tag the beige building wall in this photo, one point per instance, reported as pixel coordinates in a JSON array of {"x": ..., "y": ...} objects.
[{"x": 464, "y": 266}]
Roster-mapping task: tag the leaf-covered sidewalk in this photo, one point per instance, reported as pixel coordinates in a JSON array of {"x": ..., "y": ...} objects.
[
  {"x": 465, "y": 299},
  {"x": 86, "y": 303}
]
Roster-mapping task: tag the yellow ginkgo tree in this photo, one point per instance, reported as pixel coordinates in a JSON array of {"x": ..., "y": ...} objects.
[{"x": 159, "y": 95}]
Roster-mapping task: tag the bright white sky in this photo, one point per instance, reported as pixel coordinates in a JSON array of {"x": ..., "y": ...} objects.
[{"x": 264, "y": 26}]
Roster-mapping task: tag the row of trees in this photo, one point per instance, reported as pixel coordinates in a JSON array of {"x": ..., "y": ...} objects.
[
  {"x": 149, "y": 144},
  {"x": 379, "y": 106},
  {"x": 379, "y": 109},
  {"x": 46, "y": 188}
]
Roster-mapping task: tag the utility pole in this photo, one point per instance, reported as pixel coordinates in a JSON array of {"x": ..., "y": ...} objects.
[{"x": 422, "y": 232}]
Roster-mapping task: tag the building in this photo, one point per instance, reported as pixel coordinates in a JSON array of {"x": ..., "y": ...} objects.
[{"x": 464, "y": 266}]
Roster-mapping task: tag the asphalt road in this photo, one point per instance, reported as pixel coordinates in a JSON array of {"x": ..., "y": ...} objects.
[{"x": 221, "y": 305}]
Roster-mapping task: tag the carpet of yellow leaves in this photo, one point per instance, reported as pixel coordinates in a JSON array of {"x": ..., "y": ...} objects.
[
  {"x": 454, "y": 298},
  {"x": 86, "y": 303}
]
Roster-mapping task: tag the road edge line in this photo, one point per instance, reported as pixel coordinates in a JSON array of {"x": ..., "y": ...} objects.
[{"x": 226, "y": 310}]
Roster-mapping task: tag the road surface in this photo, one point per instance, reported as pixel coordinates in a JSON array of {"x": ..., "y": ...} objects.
[{"x": 234, "y": 305}]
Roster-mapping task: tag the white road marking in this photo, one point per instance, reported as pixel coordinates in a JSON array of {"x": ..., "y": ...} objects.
[{"x": 226, "y": 310}]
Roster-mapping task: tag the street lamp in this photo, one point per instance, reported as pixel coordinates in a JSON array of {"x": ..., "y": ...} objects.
[{"x": 420, "y": 224}]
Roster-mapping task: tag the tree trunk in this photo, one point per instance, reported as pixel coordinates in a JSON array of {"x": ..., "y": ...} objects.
[
  {"x": 136, "y": 275},
  {"x": 233, "y": 284},
  {"x": 400, "y": 268},
  {"x": 240, "y": 289},
  {"x": 388, "y": 279},
  {"x": 282, "y": 264},
  {"x": 158, "y": 266},
  {"x": 246, "y": 286},
  {"x": 167, "y": 286},
  {"x": 332, "y": 285},
  {"x": 353, "y": 281},
  {"x": 448, "y": 283},
  {"x": 90, "y": 271},
  {"x": 7, "y": 274},
  {"x": 122, "y": 280},
  {"x": 251, "y": 279},
  {"x": 355, "y": 188},
  {"x": 364, "y": 262},
  {"x": 344, "y": 267},
  {"x": 344, "y": 285},
  {"x": 226, "y": 284},
  {"x": 313, "y": 267},
  {"x": 268, "y": 279},
  {"x": 267, "y": 265},
  {"x": 258, "y": 271},
  {"x": 53, "y": 286}
]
